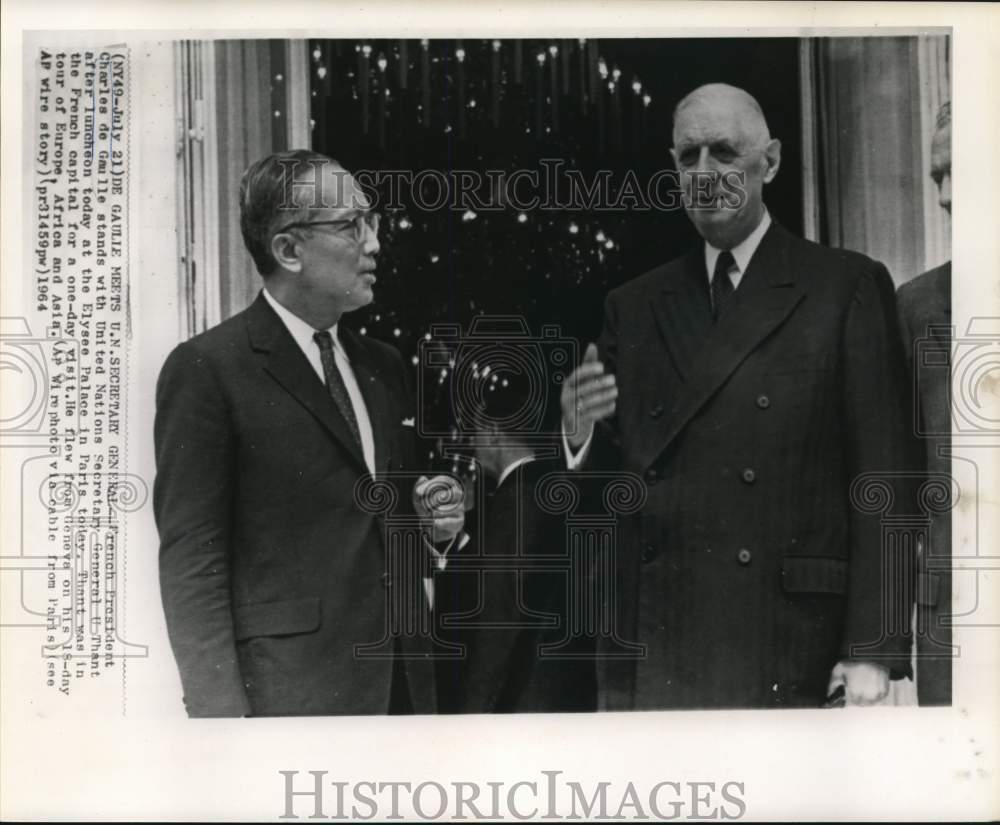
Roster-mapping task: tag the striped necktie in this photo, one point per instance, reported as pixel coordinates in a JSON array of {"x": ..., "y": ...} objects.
[
  {"x": 722, "y": 285},
  {"x": 335, "y": 383}
]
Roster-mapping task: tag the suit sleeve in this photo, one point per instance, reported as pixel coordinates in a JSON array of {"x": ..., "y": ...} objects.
[
  {"x": 500, "y": 654},
  {"x": 877, "y": 626},
  {"x": 192, "y": 497},
  {"x": 906, "y": 333},
  {"x": 606, "y": 443},
  {"x": 477, "y": 679},
  {"x": 909, "y": 323}
]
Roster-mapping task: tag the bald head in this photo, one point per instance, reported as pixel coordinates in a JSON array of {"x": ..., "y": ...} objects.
[
  {"x": 716, "y": 103},
  {"x": 725, "y": 154}
]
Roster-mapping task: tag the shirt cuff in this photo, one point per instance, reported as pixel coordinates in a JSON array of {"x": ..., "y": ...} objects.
[
  {"x": 439, "y": 554},
  {"x": 574, "y": 460}
]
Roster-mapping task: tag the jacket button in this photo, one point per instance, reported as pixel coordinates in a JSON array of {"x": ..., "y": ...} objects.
[
  {"x": 386, "y": 580},
  {"x": 648, "y": 553},
  {"x": 763, "y": 402},
  {"x": 749, "y": 475},
  {"x": 744, "y": 556},
  {"x": 656, "y": 411},
  {"x": 652, "y": 476}
]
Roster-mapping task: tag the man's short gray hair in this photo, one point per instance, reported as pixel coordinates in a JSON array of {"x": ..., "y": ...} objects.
[
  {"x": 267, "y": 199},
  {"x": 943, "y": 116}
]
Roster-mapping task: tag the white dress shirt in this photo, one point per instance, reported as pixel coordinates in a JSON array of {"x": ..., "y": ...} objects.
[
  {"x": 742, "y": 253},
  {"x": 303, "y": 335},
  {"x": 513, "y": 466}
]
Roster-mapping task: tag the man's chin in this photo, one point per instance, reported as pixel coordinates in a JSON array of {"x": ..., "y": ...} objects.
[
  {"x": 360, "y": 298},
  {"x": 713, "y": 224},
  {"x": 365, "y": 296},
  {"x": 367, "y": 284},
  {"x": 722, "y": 228}
]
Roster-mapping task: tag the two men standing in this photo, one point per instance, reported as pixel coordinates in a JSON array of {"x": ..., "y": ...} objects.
[{"x": 752, "y": 384}]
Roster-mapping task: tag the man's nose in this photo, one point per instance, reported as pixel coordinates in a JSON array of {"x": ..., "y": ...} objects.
[
  {"x": 706, "y": 163},
  {"x": 704, "y": 171},
  {"x": 371, "y": 245},
  {"x": 944, "y": 192},
  {"x": 702, "y": 178}
]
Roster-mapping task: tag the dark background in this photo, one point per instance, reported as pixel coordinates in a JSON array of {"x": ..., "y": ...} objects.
[{"x": 416, "y": 112}]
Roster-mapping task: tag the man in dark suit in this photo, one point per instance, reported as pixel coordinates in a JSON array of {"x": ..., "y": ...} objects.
[
  {"x": 925, "y": 318},
  {"x": 271, "y": 575},
  {"x": 750, "y": 383},
  {"x": 521, "y": 654}
]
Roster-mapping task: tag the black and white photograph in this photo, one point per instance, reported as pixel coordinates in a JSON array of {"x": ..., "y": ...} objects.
[{"x": 441, "y": 416}]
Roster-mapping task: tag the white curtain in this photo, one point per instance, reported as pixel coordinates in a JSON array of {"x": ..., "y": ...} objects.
[
  {"x": 237, "y": 100},
  {"x": 869, "y": 107},
  {"x": 934, "y": 58}
]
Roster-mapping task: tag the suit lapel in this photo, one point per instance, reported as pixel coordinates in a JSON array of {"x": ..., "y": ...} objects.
[
  {"x": 767, "y": 295},
  {"x": 286, "y": 363},
  {"x": 683, "y": 311}
]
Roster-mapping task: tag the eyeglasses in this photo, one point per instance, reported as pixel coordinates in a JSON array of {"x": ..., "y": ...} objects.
[{"x": 359, "y": 223}]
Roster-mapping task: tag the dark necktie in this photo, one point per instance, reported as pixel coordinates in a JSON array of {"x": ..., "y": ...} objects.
[
  {"x": 335, "y": 383},
  {"x": 722, "y": 286}
]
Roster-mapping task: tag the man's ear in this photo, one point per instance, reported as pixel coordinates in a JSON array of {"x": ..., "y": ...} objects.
[
  {"x": 772, "y": 156},
  {"x": 673, "y": 154},
  {"x": 285, "y": 250}
]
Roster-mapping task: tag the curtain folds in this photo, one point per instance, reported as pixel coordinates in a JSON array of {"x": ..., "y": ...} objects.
[
  {"x": 876, "y": 99},
  {"x": 238, "y": 100}
]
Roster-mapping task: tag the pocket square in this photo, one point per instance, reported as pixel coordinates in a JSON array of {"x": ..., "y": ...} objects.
[{"x": 408, "y": 422}]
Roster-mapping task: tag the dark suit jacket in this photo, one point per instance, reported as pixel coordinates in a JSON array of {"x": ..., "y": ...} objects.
[
  {"x": 505, "y": 669},
  {"x": 270, "y": 574},
  {"x": 925, "y": 318},
  {"x": 749, "y": 573}
]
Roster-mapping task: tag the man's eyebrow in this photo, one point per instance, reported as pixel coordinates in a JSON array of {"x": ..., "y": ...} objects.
[
  {"x": 351, "y": 211},
  {"x": 711, "y": 143}
]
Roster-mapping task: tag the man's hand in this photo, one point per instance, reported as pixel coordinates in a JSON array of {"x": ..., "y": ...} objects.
[
  {"x": 440, "y": 501},
  {"x": 865, "y": 683},
  {"x": 588, "y": 395}
]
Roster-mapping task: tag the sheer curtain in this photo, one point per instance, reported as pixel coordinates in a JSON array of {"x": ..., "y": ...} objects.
[
  {"x": 934, "y": 58},
  {"x": 262, "y": 107},
  {"x": 870, "y": 106},
  {"x": 875, "y": 100},
  {"x": 237, "y": 100}
]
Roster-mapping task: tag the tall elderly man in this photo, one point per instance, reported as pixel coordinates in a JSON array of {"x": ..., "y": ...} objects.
[
  {"x": 925, "y": 318},
  {"x": 273, "y": 580},
  {"x": 751, "y": 383}
]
